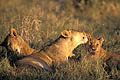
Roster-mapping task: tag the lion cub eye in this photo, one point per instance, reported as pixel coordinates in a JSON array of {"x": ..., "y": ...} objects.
[{"x": 97, "y": 44}]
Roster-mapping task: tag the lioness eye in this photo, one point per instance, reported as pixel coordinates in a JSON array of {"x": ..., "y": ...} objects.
[{"x": 83, "y": 37}]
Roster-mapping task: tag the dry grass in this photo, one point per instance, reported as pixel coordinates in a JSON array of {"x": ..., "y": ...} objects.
[{"x": 40, "y": 22}]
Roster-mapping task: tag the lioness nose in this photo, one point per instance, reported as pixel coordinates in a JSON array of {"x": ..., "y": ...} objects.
[{"x": 17, "y": 50}]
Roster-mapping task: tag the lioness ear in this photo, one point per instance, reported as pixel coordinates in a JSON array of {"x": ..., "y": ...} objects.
[
  {"x": 66, "y": 33},
  {"x": 13, "y": 32}
]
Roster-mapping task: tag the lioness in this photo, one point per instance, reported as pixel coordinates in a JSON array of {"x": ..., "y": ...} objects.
[
  {"x": 94, "y": 47},
  {"x": 15, "y": 43},
  {"x": 57, "y": 52}
]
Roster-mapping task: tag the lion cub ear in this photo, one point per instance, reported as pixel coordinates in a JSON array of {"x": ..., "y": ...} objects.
[
  {"x": 66, "y": 33},
  {"x": 88, "y": 35},
  {"x": 101, "y": 39},
  {"x": 13, "y": 32}
]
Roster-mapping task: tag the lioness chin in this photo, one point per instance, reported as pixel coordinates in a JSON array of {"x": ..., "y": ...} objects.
[{"x": 57, "y": 52}]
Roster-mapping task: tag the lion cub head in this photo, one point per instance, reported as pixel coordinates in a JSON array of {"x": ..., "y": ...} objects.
[
  {"x": 15, "y": 43},
  {"x": 95, "y": 45}
]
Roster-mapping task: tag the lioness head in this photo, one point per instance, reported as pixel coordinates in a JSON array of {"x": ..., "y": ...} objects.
[
  {"x": 95, "y": 45},
  {"x": 76, "y": 37},
  {"x": 15, "y": 43}
]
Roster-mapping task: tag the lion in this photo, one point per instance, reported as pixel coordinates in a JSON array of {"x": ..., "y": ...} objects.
[
  {"x": 15, "y": 43},
  {"x": 57, "y": 52},
  {"x": 94, "y": 48}
]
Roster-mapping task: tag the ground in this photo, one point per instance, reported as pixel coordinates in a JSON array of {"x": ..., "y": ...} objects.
[{"x": 40, "y": 23}]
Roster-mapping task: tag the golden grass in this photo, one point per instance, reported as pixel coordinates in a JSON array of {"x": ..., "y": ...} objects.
[{"x": 40, "y": 22}]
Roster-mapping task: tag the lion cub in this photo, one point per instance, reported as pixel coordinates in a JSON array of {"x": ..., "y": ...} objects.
[
  {"x": 57, "y": 52},
  {"x": 94, "y": 48},
  {"x": 15, "y": 43}
]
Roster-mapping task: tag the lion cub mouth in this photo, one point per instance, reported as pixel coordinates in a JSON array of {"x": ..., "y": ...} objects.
[{"x": 91, "y": 51}]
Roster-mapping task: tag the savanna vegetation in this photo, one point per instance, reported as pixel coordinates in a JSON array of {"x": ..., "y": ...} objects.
[{"x": 40, "y": 22}]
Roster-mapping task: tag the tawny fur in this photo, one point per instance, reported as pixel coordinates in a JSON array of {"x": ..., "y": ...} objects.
[
  {"x": 57, "y": 52},
  {"x": 94, "y": 47},
  {"x": 15, "y": 43}
]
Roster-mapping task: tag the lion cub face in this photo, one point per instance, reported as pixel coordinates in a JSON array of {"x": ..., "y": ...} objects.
[
  {"x": 76, "y": 37},
  {"x": 95, "y": 45}
]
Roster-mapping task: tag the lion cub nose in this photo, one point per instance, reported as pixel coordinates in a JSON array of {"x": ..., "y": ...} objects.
[{"x": 93, "y": 49}]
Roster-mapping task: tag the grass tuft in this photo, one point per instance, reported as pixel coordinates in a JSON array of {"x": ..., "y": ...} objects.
[{"x": 40, "y": 22}]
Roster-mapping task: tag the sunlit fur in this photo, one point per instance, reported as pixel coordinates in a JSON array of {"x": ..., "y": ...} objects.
[
  {"x": 15, "y": 43},
  {"x": 57, "y": 52},
  {"x": 94, "y": 47}
]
